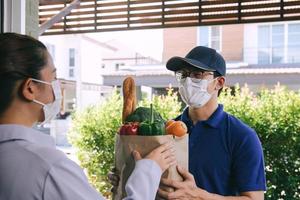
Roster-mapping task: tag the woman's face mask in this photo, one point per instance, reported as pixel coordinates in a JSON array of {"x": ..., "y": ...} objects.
[
  {"x": 51, "y": 109},
  {"x": 194, "y": 91}
]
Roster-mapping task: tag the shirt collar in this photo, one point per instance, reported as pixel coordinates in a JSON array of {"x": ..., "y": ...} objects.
[
  {"x": 185, "y": 116},
  {"x": 10, "y": 132},
  {"x": 214, "y": 120}
]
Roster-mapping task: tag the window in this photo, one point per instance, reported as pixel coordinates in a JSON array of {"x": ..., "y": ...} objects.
[
  {"x": 210, "y": 36},
  {"x": 293, "y": 43},
  {"x": 271, "y": 44},
  {"x": 72, "y": 57},
  {"x": 215, "y": 38},
  {"x": 278, "y": 43},
  {"x": 263, "y": 45},
  {"x": 71, "y": 73},
  {"x": 204, "y": 36}
]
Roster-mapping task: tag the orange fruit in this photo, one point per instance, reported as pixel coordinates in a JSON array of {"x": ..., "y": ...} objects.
[
  {"x": 169, "y": 122},
  {"x": 177, "y": 128}
]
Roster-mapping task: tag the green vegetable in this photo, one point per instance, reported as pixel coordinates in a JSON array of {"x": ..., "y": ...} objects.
[
  {"x": 142, "y": 114},
  {"x": 152, "y": 127},
  {"x": 158, "y": 128}
]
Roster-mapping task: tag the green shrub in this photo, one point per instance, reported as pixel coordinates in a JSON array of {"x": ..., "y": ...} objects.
[
  {"x": 275, "y": 115},
  {"x": 93, "y": 135},
  {"x": 167, "y": 105},
  {"x": 94, "y": 130}
]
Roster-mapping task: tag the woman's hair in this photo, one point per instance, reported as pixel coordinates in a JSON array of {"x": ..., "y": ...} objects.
[{"x": 21, "y": 57}]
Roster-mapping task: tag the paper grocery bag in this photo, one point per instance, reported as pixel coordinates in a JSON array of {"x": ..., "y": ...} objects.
[{"x": 125, "y": 163}]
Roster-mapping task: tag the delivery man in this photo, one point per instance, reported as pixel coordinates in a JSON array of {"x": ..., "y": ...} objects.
[{"x": 225, "y": 155}]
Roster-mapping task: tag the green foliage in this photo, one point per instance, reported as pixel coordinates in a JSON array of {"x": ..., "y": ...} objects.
[
  {"x": 93, "y": 135},
  {"x": 94, "y": 130},
  {"x": 275, "y": 115},
  {"x": 168, "y": 105}
]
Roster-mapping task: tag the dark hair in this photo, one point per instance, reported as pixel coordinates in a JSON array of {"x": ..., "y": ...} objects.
[{"x": 21, "y": 57}]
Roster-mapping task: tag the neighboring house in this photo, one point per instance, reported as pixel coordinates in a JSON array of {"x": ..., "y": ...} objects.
[
  {"x": 259, "y": 55},
  {"x": 78, "y": 63},
  {"x": 81, "y": 60},
  {"x": 122, "y": 55}
]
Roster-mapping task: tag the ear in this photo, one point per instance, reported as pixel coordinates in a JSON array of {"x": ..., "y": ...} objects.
[
  {"x": 28, "y": 90},
  {"x": 220, "y": 82}
]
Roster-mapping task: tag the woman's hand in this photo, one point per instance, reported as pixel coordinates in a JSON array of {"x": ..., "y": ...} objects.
[{"x": 163, "y": 155}]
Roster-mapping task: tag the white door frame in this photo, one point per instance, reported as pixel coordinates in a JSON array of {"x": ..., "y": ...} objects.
[{"x": 15, "y": 16}]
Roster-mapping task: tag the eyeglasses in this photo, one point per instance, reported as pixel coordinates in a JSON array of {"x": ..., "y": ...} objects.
[{"x": 182, "y": 74}]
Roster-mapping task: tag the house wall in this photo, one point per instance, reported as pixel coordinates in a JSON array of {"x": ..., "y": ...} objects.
[
  {"x": 178, "y": 41},
  {"x": 233, "y": 42}
]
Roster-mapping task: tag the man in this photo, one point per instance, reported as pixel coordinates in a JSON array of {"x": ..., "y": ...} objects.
[{"x": 225, "y": 155}]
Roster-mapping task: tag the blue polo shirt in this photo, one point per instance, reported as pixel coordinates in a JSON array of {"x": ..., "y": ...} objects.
[{"x": 225, "y": 155}]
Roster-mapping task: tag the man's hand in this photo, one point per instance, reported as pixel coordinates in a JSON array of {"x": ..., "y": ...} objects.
[{"x": 185, "y": 190}]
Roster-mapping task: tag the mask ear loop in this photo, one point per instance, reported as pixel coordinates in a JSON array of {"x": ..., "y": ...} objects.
[
  {"x": 44, "y": 82},
  {"x": 38, "y": 102},
  {"x": 216, "y": 79},
  {"x": 40, "y": 81}
]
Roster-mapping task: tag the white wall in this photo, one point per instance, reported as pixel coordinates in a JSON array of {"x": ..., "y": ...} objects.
[
  {"x": 91, "y": 59},
  {"x": 61, "y": 59},
  {"x": 89, "y": 98}
]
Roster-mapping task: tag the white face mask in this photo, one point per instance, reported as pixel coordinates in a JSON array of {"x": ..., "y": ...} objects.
[
  {"x": 51, "y": 109},
  {"x": 194, "y": 91}
]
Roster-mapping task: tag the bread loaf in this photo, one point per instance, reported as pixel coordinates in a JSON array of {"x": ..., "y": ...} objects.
[{"x": 129, "y": 95}]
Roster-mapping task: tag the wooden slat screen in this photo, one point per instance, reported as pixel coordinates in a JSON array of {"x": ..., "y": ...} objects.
[{"x": 115, "y": 15}]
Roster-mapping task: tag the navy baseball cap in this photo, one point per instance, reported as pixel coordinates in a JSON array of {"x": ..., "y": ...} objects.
[{"x": 200, "y": 57}]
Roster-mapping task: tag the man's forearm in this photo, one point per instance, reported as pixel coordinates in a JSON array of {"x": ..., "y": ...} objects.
[
  {"x": 256, "y": 195},
  {"x": 219, "y": 197}
]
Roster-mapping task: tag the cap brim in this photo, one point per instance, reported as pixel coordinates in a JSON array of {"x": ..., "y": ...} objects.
[{"x": 177, "y": 63}]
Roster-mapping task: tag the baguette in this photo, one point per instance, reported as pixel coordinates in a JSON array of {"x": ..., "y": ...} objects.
[{"x": 129, "y": 97}]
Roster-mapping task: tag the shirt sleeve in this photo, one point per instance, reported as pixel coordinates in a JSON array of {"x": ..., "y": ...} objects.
[
  {"x": 144, "y": 181},
  {"x": 248, "y": 164},
  {"x": 66, "y": 181}
]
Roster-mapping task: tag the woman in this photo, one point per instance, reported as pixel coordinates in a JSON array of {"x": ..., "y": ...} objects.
[{"x": 31, "y": 167}]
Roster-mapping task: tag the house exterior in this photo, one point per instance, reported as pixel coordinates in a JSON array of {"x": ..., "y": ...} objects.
[
  {"x": 259, "y": 55},
  {"x": 78, "y": 70},
  {"x": 81, "y": 60}
]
